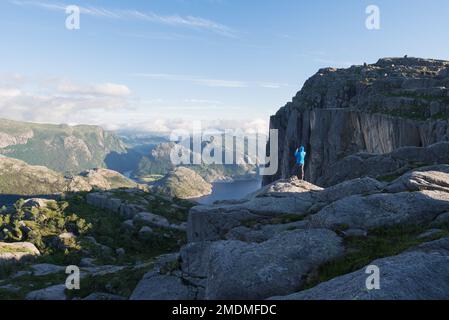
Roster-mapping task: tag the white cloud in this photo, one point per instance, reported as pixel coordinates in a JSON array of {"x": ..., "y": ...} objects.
[
  {"x": 106, "y": 89},
  {"x": 9, "y": 93},
  {"x": 166, "y": 126},
  {"x": 269, "y": 85},
  {"x": 170, "y": 20},
  {"x": 210, "y": 82},
  {"x": 60, "y": 101},
  {"x": 156, "y": 36},
  {"x": 196, "y": 80},
  {"x": 176, "y": 20},
  {"x": 203, "y": 101},
  {"x": 113, "y": 106},
  {"x": 11, "y": 79}
]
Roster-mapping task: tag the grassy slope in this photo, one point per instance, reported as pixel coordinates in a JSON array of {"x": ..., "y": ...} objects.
[
  {"x": 16, "y": 177},
  {"x": 380, "y": 243}
]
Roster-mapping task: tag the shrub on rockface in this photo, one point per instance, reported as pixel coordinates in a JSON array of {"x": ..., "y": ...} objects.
[{"x": 42, "y": 226}]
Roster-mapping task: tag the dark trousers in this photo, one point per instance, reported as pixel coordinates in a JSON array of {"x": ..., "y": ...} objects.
[{"x": 299, "y": 171}]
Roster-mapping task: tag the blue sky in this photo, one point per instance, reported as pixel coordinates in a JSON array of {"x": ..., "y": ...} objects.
[{"x": 160, "y": 64}]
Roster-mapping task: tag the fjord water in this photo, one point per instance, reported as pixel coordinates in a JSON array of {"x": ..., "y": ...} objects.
[
  {"x": 231, "y": 190},
  {"x": 220, "y": 191},
  {"x": 6, "y": 200}
]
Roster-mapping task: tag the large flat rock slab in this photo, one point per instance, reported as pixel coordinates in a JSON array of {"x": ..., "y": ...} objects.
[
  {"x": 17, "y": 252},
  {"x": 366, "y": 212},
  {"x": 415, "y": 275},
  {"x": 238, "y": 270}
]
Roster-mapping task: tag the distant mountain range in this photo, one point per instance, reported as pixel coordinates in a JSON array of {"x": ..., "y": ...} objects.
[
  {"x": 69, "y": 150},
  {"x": 61, "y": 148},
  {"x": 158, "y": 162}
]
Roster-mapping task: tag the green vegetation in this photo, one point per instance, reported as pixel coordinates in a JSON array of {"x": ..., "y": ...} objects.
[
  {"x": 379, "y": 243},
  {"x": 97, "y": 234},
  {"x": 183, "y": 183},
  {"x": 108, "y": 230},
  {"x": 389, "y": 177},
  {"x": 419, "y": 110},
  {"x": 20, "y": 178},
  {"x": 17, "y": 177},
  {"x": 159, "y": 163},
  {"x": 174, "y": 215},
  {"x": 43, "y": 226},
  {"x": 152, "y": 166},
  {"x": 27, "y": 283},
  {"x": 413, "y": 112},
  {"x": 212, "y": 171},
  {"x": 121, "y": 283},
  {"x": 150, "y": 178},
  {"x": 418, "y": 96},
  {"x": 5, "y": 249},
  {"x": 440, "y": 116},
  {"x": 174, "y": 210},
  {"x": 286, "y": 218},
  {"x": 119, "y": 181},
  {"x": 60, "y": 147},
  {"x": 281, "y": 219}
]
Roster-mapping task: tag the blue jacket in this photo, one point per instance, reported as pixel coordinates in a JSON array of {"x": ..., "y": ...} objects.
[{"x": 300, "y": 156}]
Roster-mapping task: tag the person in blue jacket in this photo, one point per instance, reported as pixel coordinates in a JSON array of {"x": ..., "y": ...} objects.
[{"x": 300, "y": 155}]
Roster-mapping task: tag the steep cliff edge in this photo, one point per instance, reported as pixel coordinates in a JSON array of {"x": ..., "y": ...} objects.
[{"x": 375, "y": 108}]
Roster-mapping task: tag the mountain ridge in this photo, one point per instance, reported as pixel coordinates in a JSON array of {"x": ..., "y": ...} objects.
[
  {"x": 21, "y": 179},
  {"x": 61, "y": 147}
]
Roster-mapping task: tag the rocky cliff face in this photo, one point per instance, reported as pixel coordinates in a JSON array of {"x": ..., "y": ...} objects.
[
  {"x": 376, "y": 137},
  {"x": 374, "y": 108},
  {"x": 385, "y": 167}
]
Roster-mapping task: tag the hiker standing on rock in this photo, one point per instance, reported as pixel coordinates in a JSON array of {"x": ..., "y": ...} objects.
[{"x": 300, "y": 155}]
